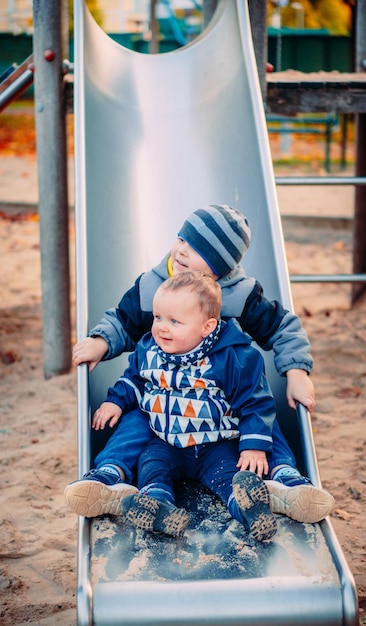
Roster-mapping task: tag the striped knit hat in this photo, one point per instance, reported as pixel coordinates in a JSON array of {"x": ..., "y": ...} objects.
[{"x": 220, "y": 235}]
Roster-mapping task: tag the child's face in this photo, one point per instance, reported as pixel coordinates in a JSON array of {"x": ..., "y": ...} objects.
[
  {"x": 179, "y": 324},
  {"x": 185, "y": 258}
]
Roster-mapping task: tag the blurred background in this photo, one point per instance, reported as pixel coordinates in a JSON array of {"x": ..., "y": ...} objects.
[{"x": 306, "y": 36}]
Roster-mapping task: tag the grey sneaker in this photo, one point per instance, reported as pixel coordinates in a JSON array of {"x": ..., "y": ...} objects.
[
  {"x": 300, "y": 501},
  {"x": 97, "y": 493}
]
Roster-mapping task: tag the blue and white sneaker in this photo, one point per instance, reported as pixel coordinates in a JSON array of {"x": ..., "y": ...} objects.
[
  {"x": 99, "y": 492},
  {"x": 294, "y": 495}
]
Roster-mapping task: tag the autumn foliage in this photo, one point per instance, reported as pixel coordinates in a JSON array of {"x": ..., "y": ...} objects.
[
  {"x": 333, "y": 15},
  {"x": 17, "y": 133},
  {"x": 18, "y": 130}
]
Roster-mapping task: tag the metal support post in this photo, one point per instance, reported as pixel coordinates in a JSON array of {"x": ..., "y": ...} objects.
[
  {"x": 359, "y": 233},
  {"x": 208, "y": 9},
  {"x": 52, "y": 183},
  {"x": 154, "y": 29},
  {"x": 258, "y": 22}
]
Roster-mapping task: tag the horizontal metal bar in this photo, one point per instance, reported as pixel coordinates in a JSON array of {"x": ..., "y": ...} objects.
[
  {"x": 298, "y": 131},
  {"x": 328, "y": 278},
  {"x": 15, "y": 89},
  {"x": 302, "y": 121},
  {"x": 16, "y": 71},
  {"x": 320, "y": 180}
]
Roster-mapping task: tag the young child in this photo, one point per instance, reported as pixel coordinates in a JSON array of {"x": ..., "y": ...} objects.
[
  {"x": 204, "y": 389},
  {"x": 212, "y": 240}
]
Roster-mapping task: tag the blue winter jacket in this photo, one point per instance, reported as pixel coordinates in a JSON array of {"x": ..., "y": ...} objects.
[
  {"x": 268, "y": 323},
  {"x": 216, "y": 392}
]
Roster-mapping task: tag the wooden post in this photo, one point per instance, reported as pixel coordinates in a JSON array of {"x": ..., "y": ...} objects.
[
  {"x": 359, "y": 222},
  {"x": 52, "y": 184}
]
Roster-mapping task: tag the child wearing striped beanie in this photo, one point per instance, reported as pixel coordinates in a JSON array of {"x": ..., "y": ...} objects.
[{"x": 220, "y": 235}]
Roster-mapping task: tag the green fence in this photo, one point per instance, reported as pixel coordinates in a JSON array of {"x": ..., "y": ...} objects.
[{"x": 309, "y": 50}]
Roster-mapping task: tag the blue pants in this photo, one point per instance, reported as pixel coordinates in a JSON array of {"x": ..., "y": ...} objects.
[
  {"x": 214, "y": 465},
  {"x": 133, "y": 433}
]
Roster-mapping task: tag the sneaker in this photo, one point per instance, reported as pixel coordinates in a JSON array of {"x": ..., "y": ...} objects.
[
  {"x": 293, "y": 495},
  {"x": 97, "y": 493},
  {"x": 148, "y": 513},
  {"x": 252, "y": 497}
]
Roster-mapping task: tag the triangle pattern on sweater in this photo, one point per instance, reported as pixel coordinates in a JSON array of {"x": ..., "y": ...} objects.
[
  {"x": 156, "y": 407},
  {"x": 163, "y": 381},
  {"x": 189, "y": 410}
]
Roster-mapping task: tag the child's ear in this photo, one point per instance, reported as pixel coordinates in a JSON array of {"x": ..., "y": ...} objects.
[{"x": 209, "y": 326}]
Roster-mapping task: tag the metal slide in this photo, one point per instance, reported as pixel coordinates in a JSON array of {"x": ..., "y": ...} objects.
[{"x": 158, "y": 136}]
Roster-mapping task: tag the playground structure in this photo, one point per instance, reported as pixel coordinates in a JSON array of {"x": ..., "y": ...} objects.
[{"x": 156, "y": 137}]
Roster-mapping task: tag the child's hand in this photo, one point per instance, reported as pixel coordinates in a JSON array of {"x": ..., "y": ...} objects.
[
  {"x": 107, "y": 412},
  {"x": 89, "y": 350},
  {"x": 300, "y": 388},
  {"x": 254, "y": 461}
]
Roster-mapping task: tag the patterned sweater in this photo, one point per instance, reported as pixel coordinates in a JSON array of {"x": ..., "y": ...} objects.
[{"x": 218, "y": 391}]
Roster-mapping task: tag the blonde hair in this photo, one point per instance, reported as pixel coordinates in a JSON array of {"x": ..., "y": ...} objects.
[{"x": 207, "y": 290}]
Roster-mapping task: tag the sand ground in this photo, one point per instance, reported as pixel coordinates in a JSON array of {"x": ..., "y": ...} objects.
[{"x": 38, "y": 416}]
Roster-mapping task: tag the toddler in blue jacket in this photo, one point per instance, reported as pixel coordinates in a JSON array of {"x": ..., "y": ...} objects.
[
  {"x": 204, "y": 389},
  {"x": 212, "y": 240}
]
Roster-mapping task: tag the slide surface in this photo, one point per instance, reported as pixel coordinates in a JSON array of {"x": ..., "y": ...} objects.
[{"x": 156, "y": 137}]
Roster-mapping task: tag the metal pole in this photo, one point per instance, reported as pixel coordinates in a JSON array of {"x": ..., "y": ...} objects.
[
  {"x": 15, "y": 88},
  {"x": 320, "y": 180},
  {"x": 258, "y": 22},
  {"x": 359, "y": 222},
  {"x": 52, "y": 183},
  {"x": 208, "y": 9},
  {"x": 327, "y": 278},
  {"x": 154, "y": 29}
]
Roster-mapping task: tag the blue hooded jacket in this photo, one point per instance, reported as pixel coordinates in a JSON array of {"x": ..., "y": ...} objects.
[{"x": 218, "y": 391}]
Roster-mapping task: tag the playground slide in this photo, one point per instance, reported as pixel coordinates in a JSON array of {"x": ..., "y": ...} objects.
[{"x": 157, "y": 136}]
